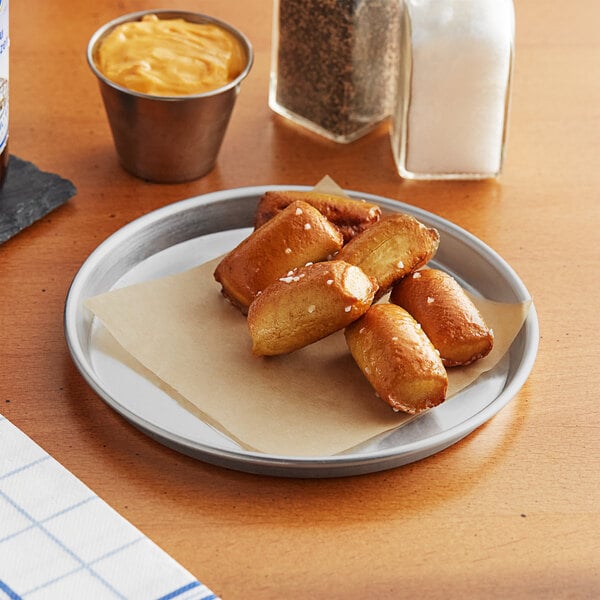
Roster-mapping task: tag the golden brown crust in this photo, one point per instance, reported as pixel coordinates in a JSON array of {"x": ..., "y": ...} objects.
[
  {"x": 295, "y": 236},
  {"x": 350, "y": 216},
  {"x": 447, "y": 315},
  {"x": 391, "y": 249},
  {"x": 398, "y": 359},
  {"x": 307, "y": 305}
]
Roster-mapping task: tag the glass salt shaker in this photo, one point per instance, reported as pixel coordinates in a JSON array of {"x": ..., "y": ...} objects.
[
  {"x": 451, "y": 116},
  {"x": 331, "y": 64}
]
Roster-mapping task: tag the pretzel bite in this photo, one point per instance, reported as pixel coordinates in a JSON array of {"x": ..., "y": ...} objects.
[
  {"x": 447, "y": 315},
  {"x": 391, "y": 248},
  {"x": 348, "y": 215},
  {"x": 398, "y": 359},
  {"x": 308, "y": 304},
  {"x": 295, "y": 236}
]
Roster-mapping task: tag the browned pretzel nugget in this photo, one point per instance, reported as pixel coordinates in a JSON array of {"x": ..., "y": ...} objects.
[
  {"x": 350, "y": 216},
  {"x": 307, "y": 305},
  {"x": 447, "y": 315},
  {"x": 391, "y": 248},
  {"x": 397, "y": 358},
  {"x": 295, "y": 236}
]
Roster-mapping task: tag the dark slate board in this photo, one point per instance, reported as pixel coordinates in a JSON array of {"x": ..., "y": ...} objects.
[{"x": 28, "y": 195}]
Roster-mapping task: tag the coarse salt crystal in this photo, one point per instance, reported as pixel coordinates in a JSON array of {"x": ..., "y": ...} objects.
[
  {"x": 430, "y": 300},
  {"x": 417, "y": 275},
  {"x": 329, "y": 282},
  {"x": 348, "y": 309},
  {"x": 307, "y": 226},
  {"x": 299, "y": 211},
  {"x": 288, "y": 250},
  {"x": 362, "y": 330},
  {"x": 400, "y": 264},
  {"x": 308, "y": 264},
  {"x": 311, "y": 308},
  {"x": 286, "y": 279}
]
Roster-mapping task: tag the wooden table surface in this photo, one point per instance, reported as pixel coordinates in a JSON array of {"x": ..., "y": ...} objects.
[{"x": 512, "y": 511}]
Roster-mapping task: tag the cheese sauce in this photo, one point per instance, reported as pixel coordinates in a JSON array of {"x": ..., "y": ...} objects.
[{"x": 170, "y": 57}]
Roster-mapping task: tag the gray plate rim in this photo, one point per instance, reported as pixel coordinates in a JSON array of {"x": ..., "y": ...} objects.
[{"x": 136, "y": 240}]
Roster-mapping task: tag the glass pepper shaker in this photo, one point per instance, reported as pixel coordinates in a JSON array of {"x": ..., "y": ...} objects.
[
  {"x": 331, "y": 65},
  {"x": 451, "y": 115}
]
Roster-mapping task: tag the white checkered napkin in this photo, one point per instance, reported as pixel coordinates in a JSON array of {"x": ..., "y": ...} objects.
[{"x": 58, "y": 540}]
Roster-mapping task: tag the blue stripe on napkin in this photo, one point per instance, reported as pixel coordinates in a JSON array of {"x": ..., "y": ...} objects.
[
  {"x": 9, "y": 593},
  {"x": 59, "y": 540}
]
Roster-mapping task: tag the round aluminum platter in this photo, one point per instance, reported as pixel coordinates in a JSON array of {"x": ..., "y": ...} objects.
[{"x": 187, "y": 233}]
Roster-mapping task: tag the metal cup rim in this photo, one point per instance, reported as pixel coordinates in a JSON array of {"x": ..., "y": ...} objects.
[{"x": 168, "y": 13}]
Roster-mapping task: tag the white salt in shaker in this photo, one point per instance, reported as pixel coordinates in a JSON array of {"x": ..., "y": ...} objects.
[{"x": 450, "y": 121}]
